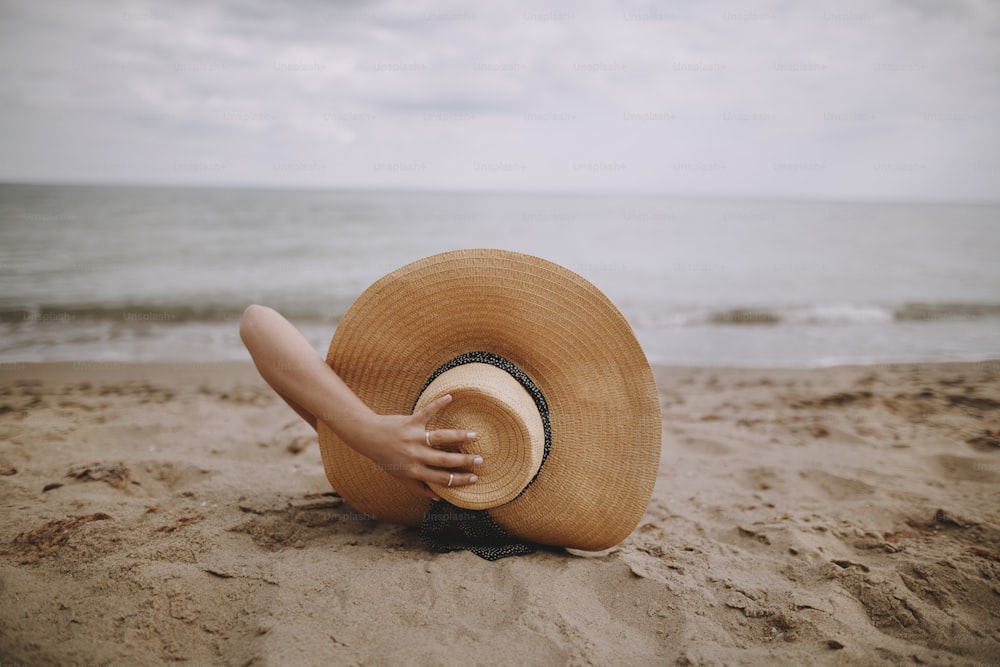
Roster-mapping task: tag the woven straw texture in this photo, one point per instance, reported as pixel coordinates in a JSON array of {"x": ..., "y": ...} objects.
[
  {"x": 510, "y": 434},
  {"x": 556, "y": 327}
]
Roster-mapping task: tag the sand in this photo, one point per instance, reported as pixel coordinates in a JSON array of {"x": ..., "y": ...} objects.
[{"x": 179, "y": 513}]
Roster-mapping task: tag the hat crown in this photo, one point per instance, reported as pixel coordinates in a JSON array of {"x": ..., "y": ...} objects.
[{"x": 509, "y": 431}]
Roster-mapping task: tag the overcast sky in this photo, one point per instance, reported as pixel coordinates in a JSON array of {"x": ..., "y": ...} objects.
[{"x": 847, "y": 99}]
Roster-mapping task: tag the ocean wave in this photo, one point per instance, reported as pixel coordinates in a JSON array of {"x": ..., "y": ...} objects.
[
  {"x": 643, "y": 316},
  {"x": 916, "y": 312},
  {"x": 815, "y": 315},
  {"x": 819, "y": 315},
  {"x": 137, "y": 314}
]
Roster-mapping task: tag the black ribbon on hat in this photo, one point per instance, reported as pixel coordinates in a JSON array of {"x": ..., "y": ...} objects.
[{"x": 449, "y": 528}]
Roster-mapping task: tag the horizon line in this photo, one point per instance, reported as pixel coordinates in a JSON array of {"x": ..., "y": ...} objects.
[{"x": 539, "y": 192}]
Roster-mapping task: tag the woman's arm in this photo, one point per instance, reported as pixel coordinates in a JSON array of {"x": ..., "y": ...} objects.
[{"x": 397, "y": 443}]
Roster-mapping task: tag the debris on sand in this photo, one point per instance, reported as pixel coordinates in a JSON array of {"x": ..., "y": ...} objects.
[
  {"x": 115, "y": 474},
  {"x": 191, "y": 517},
  {"x": 50, "y": 537}
]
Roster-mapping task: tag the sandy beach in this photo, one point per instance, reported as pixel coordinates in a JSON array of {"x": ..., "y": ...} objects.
[{"x": 158, "y": 513}]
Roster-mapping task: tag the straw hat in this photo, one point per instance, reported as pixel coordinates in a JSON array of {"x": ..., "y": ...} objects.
[{"x": 538, "y": 362}]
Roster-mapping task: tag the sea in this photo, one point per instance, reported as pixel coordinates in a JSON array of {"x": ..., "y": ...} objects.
[{"x": 127, "y": 273}]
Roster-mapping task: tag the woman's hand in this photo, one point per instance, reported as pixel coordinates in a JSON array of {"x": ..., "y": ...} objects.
[{"x": 399, "y": 445}]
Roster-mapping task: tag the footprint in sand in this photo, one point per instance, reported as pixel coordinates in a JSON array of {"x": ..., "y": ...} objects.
[
  {"x": 706, "y": 445},
  {"x": 168, "y": 476},
  {"x": 965, "y": 468},
  {"x": 836, "y": 487}
]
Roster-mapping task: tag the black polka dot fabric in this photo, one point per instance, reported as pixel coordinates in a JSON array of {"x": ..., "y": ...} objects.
[{"x": 450, "y": 528}]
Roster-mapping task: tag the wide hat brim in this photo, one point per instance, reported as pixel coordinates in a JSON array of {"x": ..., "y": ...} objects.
[{"x": 561, "y": 331}]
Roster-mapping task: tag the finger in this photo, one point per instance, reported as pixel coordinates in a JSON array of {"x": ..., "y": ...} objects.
[
  {"x": 439, "y": 459},
  {"x": 424, "y": 414},
  {"x": 441, "y": 478},
  {"x": 451, "y": 436}
]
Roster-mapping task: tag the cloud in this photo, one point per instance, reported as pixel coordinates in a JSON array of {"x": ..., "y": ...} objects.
[{"x": 853, "y": 99}]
